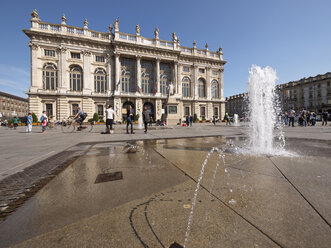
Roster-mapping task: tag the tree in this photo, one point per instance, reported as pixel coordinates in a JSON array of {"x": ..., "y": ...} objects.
[
  {"x": 96, "y": 117},
  {"x": 34, "y": 118}
]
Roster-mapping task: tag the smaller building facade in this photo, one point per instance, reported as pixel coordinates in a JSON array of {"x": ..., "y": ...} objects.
[
  {"x": 11, "y": 105},
  {"x": 312, "y": 94},
  {"x": 236, "y": 105}
]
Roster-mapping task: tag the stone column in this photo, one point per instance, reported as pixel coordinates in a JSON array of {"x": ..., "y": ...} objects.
[
  {"x": 220, "y": 85},
  {"x": 175, "y": 82},
  {"x": 179, "y": 80},
  {"x": 62, "y": 70},
  {"x": 118, "y": 109},
  {"x": 138, "y": 76},
  {"x": 117, "y": 73},
  {"x": 35, "y": 83},
  {"x": 208, "y": 83},
  {"x": 109, "y": 71},
  {"x": 88, "y": 87},
  {"x": 158, "y": 76},
  {"x": 195, "y": 82},
  {"x": 158, "y": 109}
]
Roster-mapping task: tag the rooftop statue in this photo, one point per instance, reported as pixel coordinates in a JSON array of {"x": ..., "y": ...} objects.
[
  {"x": 156, "y": 33},
  {"x": 137, "y": 29}
]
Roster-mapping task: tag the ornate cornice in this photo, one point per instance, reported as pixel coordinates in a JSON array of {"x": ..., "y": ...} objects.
[{"x": 33, "y": 45}]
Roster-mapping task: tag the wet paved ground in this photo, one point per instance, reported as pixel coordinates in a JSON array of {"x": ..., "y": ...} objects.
[{"x": 255, "y": 201}]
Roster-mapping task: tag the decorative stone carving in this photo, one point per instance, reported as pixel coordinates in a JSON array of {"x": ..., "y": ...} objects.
[
  {"x": 206, "y": 46},
  {"x": 137, "y": 29},
  {"x": 87, "y": 53},
  {"x": 110, "y": 28},
  {"x": 62, "y": 49},
  {"x": 156, "y": 33},
  {"x": 171, "y": 89},
  {"x": 174, "y": 37},
  {"x": 116, "y": 24},
  {"x": 33, "y": 46},
  {"x": 194, "y": 44},
  {"x": 85, "y": 23},
  {"x": 64, "y": 19},
  {"x": 35, "y": 15}
]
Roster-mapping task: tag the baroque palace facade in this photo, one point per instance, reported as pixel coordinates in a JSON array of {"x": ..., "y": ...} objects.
[{"x": 72, "y": 66}]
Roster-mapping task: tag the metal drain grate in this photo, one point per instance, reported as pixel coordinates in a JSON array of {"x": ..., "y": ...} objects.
[
  {"x": 107, "y": 177},
  {"x": 175, "y": 245}
]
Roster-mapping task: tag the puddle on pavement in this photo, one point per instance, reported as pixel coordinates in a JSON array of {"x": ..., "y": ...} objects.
[{"x": 109, "y": 176}]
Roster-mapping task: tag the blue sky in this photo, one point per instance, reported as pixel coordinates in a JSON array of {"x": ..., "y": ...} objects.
[{"x": 292, "y": 36}]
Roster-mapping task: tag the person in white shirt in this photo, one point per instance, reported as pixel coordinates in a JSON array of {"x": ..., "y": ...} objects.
[{"x": 109, "y": 119}]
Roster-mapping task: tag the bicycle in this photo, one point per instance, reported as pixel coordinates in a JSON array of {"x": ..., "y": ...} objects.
[{"x": 70, "y": 125}]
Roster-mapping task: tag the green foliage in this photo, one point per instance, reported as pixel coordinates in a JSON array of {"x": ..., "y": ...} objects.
[
  {"x": 102, "y": 121},
  {"x": 90, "y": 120},
  {"x": 203, "y": 118},
  {"x": 95, "y": 117},
  {"x": 136, "y": 118},
  {"x": 34, "y": 118},
  {"x": 195, "y": 118}
]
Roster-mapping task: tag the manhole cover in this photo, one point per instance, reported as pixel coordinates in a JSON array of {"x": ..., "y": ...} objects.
[
  {"x": 107, "y": 177},
  {"x": 175, "y": 245}
]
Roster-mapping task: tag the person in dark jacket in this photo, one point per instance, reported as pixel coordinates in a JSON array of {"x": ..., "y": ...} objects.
[
  {"x": 129, "y": 118},
  {"x": 146, "y": 118}
]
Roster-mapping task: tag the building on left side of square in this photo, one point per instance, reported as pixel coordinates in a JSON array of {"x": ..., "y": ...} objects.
[{"x": 11, "y": 105}]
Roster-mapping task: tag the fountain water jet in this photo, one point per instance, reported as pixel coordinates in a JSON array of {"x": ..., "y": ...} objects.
[{"x": 263, "y": 111}]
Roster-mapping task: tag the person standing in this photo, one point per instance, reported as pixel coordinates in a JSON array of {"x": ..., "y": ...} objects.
[
  {"x": 291, "y": 115},
  {"x": 146, "y": 118},
  {"x": 43, "y": 120},
  {"x": 325, "y": 118},
  {"x": 109, "y": 119},
  {"x": 129, "y": 118},
  {"x": 214, "y": 120},
  {"x": 29, "y": 123},
  {"x": 227, "y": 119},
  {"x": 191, "y": 121},
  {"x": 187, "y": 121}
]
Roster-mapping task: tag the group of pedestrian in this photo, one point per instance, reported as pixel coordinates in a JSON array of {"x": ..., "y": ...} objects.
[
  {"x": 189, "y": 121},
  {"x": 304, "y": 118}
]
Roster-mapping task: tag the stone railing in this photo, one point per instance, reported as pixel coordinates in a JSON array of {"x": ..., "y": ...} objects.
[
  {"x": 70, "y": 30},
  {"x": 125, "y": 37}
]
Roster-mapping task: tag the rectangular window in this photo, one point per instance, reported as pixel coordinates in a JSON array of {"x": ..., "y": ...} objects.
[
  {"x": 215, "y": 73},
  {"x": 49, "y": 110},
  {"x": 50, "y": 53},
  {"x": 216, "y": 112},
  {"x": 202, "y": 70},
  {"x": 75, "y": 55},
  {"x": 187, "y": 111},
  {"x": 100, "y": 110},
  {"x": 99, "y": 58},
  {"x": 186, "y": 69},
  {"x": 74, "y": 109},
  {"x": 203, "y": 112},
  {"x": 172, "y": 109}
]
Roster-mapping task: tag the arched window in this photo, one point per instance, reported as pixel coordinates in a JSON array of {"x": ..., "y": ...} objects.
[
  {"x": 186, "y": 86},
  {"x": 202, "y": 87},
  {"x": 147, "y": 77},
  {"x": 214, "y": 89},
  {"x": 76, "y": 78},
  {"x": 50, "y": 77},
  {"x": 100, "y": 80},
  {"x": 165, "y": 78},
  {"x": 128, "y": 75}
]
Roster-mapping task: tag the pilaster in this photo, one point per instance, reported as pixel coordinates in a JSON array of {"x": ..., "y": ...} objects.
[
  {"x": 87, "y": 82},
  {"x": 139, "y": 106},
  {"x": 138, "y": 76},
  {"x": 195, "y": 82},
  {"x": 208, "y": 83},
  {"x": 158, "y": 109},
  {"x": 175, "y": 77},
  {"x": 220, "y": 88},
  {"x": 117, "y": 109},
  {"x": 179, "y": 80},
  {"x": 63, "y": 82},
  {"x": 35, "y": 83},
  {"x": 117, "y": 73},
  {"x": 109, "y": 73},
  {"x": 158, "y": 76}
]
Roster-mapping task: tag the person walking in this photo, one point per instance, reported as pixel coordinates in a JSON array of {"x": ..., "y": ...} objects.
[
  {"x": 129, "y": 118},
  {"x": 146, "y": 118},
  {"x": 29, "y": 123},
  {"x": 109, "y": 119},
  {"x": 191, "y": 121},
  {"x": 214, "y": 120},
  {"x": 325, "y": 118},
  {"x": 44, "y": 121},
  {"x": 291, "y": 115},
  {"x": 187, "y": 121},
  {"x": 15, "y": 122},
  {"x": 227, "y": 119}
]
